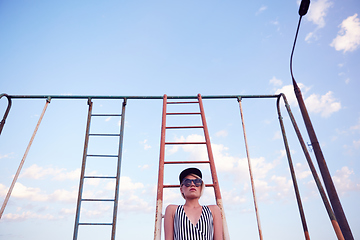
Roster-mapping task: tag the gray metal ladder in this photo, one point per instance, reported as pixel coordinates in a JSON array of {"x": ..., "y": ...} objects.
[{"x": 83, "y": 177}]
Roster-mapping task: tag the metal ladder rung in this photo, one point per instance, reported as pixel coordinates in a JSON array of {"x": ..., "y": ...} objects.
[
  {"x": 174, "y": 143},
  {"x": 183, "y": 113},
  {"x": 182, "y": 102},
  {"x": 94, "y": 155},
  {"x": 185, "y": 162},
  {"x": 175, "y": 127},
  {"x": 97, "y": 200},
  {"x": 177, "y": 186},
  {"x": 106, "y": 115},
  {"x": 105, "y": 134},
  {"x": 99, "y": 177},
  {"x": 110, "y": 224}
]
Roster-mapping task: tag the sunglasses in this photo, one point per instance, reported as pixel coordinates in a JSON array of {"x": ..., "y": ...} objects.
[{"x": 197, "y": 182}]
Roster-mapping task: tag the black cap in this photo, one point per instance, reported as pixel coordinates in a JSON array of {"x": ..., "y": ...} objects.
[{"x": 189, "y": 171}]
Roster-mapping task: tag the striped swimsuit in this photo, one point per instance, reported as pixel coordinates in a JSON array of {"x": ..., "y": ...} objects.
[{"x": 185, "y": 230}]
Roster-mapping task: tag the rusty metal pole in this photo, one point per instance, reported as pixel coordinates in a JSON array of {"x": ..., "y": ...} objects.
[
  {"x": 292, "y": 171},
  {"x": 250, "y": 171},
  {"x": 23, "y": 159},
  {"x": 329, "y": 184},
  {"x": 213, "y": 171},
  {"x": 83, "y": 164},
  {"x": 314, "y": 173},
  {"x": 2, "y": 123},
  {"x": 159, "y": 197},
  {"x": 118, "y": 170}
]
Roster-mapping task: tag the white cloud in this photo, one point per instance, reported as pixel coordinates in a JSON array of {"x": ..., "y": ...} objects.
[
  {"x": 288, "y": 90},
  {"x": 356, "y": 144},
  {"x": 222, "y": 133},
  {"x": 134, "y": 203},
  {"x": 146, "y": 166},
  {"x": 277, "y": 135},
  {"x": 146, "y": 146},
  {"x": 68, "y": 211},
  {"x": 302, "y": 171},
  {"x": 356, "y": 127},
  {"x": 343, "y": 182},
  {"x": 275, "y": 82},
  {"x": 261, "y": 9},
  {"x": 232, "y": 197},
  {"x": 37, "y": 172},
  {"x": 317, "y": 13},
  {"x": 326, "y": 104},
  {"x": 348, "y": 38},
  {"x": 32, "y": 194},
  {"x": 126, "y": 184},
  {"x": 27, "y": 215},
  {"x": 63, "y": 195},
  {"x": 36, "y": 194},
  {"x": 9, "y": 155}
]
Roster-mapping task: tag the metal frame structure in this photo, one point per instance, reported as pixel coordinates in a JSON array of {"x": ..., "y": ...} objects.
[{"x": 330, "y": 191}]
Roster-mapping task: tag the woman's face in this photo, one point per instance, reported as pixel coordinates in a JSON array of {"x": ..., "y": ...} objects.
[{"x": 192, "y": 191}]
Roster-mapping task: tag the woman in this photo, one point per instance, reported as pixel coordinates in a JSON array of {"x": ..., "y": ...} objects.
[{"x": 191, "y": 220}]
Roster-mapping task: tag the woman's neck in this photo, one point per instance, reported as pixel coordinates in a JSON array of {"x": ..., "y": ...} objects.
[{"x": 192, "y": 203}]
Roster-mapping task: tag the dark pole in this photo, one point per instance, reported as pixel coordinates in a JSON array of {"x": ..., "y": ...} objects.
[{"x": 329, "y": 185}]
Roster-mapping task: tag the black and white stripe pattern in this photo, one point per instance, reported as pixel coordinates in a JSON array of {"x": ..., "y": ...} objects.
[{"x": 185, "y": 230}]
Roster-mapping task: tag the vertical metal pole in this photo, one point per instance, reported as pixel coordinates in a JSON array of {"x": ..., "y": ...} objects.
[
  {"x": 2, "y": 123},
  {"x": 81, "y": 184},
  {"x": 23, "y": 159},
  {"x": 160, "y": 187},
  {"x": 329, "y": 184},
  {"x": 293, "y": 176},
  {"x": 314, "y": 173},
  {"x": 118, "y": 170},
  {"x": 250, "y": 171},
  {"x": 213, "y": 170}
]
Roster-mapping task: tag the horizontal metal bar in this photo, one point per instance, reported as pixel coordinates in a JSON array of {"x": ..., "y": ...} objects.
[
  {"x": 177, "y": 186},
  {"x": 173, "y": 143},
  {"x": 183, "y": 113},
  {"x": 93, "y": 155},
  {"x": 104, "y": 134},
  {"x": 182, "y": 102},
  {"x": 140, "y": 97},
  {"x": 96, "y": 224},
  {"x": 98, "y": 200},
  {"x": 184, "y": 162},
  {"x": 185, "y": 127},
  {"x": 106, "y": 115},
  {"x": 99, "y": 177}
]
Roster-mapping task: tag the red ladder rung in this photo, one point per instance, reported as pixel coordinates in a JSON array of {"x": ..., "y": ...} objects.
[
  {"x": 176, "y": 127},
  {"x": 177, "y": 186},
  {"x": 177, "y": 143},
  {"x": 185, "y": 162},
  {"x": 183, "y": 113},
  {"x": 182, "y": 102}
]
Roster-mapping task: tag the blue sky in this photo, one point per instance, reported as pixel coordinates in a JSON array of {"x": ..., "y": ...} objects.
[{"x": 143, "y": 48}]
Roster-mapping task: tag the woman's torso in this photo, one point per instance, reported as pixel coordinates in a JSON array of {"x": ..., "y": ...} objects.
[{"x": 185, "y": 230}]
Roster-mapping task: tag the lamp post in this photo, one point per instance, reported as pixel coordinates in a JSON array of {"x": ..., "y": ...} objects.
[{"x": 329, "y": 184}]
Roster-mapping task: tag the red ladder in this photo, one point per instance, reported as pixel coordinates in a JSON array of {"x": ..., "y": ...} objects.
[{"x": 162, "y": 162}]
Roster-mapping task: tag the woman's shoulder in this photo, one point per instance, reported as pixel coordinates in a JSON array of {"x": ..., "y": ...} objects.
[
  {"x": 171, "y": 208},
  {"x": 214, "y": 209}
]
